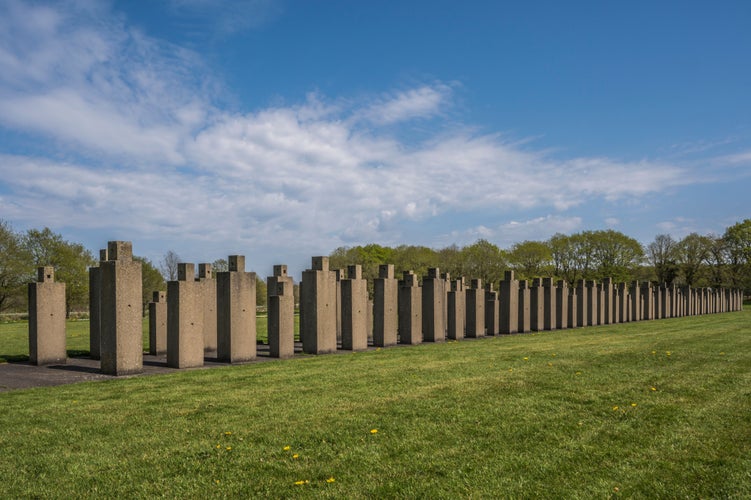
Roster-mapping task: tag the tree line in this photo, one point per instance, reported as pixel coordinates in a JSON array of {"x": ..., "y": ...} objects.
[{"x": 695, "y": 260}]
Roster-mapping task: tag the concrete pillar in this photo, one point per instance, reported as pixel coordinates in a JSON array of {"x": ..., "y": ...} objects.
[
  {"x": 446, "y": 288},
  {"x": 354, "y": 308},
  {"x": 561, "y": 304},
  {"x": 509, "y": 303},
  {"x": 537, "y": 306},
  {"x": 47, "y": 319},
  {"x": 456, "y": 310},
  {"x": 593, "y": 303},
  {"x": 158, "y": 324},
  {"x": 236, "y": 312},
  {"x": 122, "y": 332},
  {"x": 636, "y": 301},
  {"x": 410, "y": 310},
  {"x": 207, "y": 293},
  {"x": 624, "y": 305},
  {"x": 665, "y": 307},
  {"x": 582, "y": 303},
  {"x": 523, "y": 313},
  {"x": 615, "y": 301},
  {"x": 280, "y": 300},
  {"x": 184, "y": 319},
  {"x": 657, "y": 301},
  {"x": 318, "y": 303},
  {"x": 433, "y": 294},
  {"x": 492, "y": 311},
  {"x": 549, "y": 304},
  {"x": 95, "y": 307},
  {"x": 385, "y": 306},
  {"x": 475, "y": 304},
  {"x": 573, "y": 307},
  {"x": 648, "y": 310},
  {"x": 339, "y": 276},
  {"x": 608, "y": 304}
]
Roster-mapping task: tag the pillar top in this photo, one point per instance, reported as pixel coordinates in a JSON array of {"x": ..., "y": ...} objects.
[
  {"x": 45, "y": 274},
  {"x": 120, "y": 250},
  {"x": 236, "y": 263}
]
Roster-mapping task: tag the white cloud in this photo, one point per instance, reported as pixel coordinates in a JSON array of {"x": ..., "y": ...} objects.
[{"x": 149, "y": 154}]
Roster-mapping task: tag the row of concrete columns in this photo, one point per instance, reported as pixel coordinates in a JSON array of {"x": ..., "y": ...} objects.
[{"x": 218, "y": 313}]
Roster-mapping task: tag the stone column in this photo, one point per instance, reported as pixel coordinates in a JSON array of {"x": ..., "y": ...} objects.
[
  {"x": 318, "y": 303},
  {"x": 456, "y": 310},
  {"x": 523, "y": 313},
  {"x": 573, "y": 307},
  {"x": 648, "y": 310},
  {"x": 158, "y": 324},
  {"x": 47, "y": 319},
  {"x": 236, "y": 312},
  {"x": 608, "y": 304},
  {"x": 339, "y": 275},
  {"x": 636, "y": 301},
  {"x": 410, "y": 310},
  {"x": 582, "y": 303},
  {"x": 95, "y": 307},
  {"x": 509, "y": 307},
  {"x": 492, "y": 311},
  {"x": 593, "y": 303},
  {"x": 354, "y": 310},
  {"x": 207, "y": 293},
  {"x": 475, "y": 304},
  {"x": 184, "y": 319},
  {"x": 665, "y": 306},
  {"x": 561, "y": 304},
  {"x": 549, "y": 304},
  {"x": 446, "y": 288},
  {"x": 615, "y": 301},
  {"x": 624, "y": 304},
  {"x": 385, "y": 306},
  {"x": 281, "y": 315},
  {"x": 433, "y": 294},
  {"x": 122, "y": 332},
  {"x": 537, "y": 306},
  {"x": 657, "y": 301}
]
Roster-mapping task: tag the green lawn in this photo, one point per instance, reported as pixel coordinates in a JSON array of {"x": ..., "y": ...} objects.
[{"x": 649, "y": 409}]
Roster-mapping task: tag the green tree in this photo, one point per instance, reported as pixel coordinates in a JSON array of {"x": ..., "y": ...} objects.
[
  {"x": 737, "y": 239},
  {"x": 220, "y": 265},
  {"x": 694, "y": 253},
  {"x": 151, "y": 281},
  {"x": 663, "y": 255},
  {"x": 14, "y": 267},
  {"x": 482, "y": 260},
  {"x": 531, "y": 259},
  {"x": 615, "y": 255},
  {"x": 71, "y": 262}
]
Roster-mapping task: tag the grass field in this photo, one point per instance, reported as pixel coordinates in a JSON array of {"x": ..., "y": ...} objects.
[{"x": 650, "y": 409}]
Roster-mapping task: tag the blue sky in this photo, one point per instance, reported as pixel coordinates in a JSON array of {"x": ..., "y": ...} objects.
[{"x": 284, "y": 129}]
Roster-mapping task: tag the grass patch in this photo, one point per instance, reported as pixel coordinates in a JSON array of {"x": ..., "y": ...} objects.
[{"x": 649, "y": 409}]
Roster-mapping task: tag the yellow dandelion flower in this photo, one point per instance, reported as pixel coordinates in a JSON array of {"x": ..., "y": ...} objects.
[
  {"x": 550, "y": 364},
  {"x": 218, "y": 446},
  {"x": 654, "y": 352},
  {"x": 228, "y": 433},
  {"x": 216, "y": 481},
  {"x": 653, "y": 388},
  {"x": 378, "y": 348},
  {"x": 299, "y": 482},
  {"x": 721, "y": 354},
  {"x": 287, "y": 448},
  {"x": 615, "y": 408},
  {"x": 373, "y": 431},
  {"x": 330, "y": 480},
  {"x": 578, "y": 373},
  {"x": 295, "y": 456},
  {"x": 668, "y": 353},
  {"x": 553, "y": 354},
  {"x": 526, "y": 359},
  {"x": 633, "y": 405},
  {"x": 510, "y": 369},
  {"x": 229, "y": 448}
]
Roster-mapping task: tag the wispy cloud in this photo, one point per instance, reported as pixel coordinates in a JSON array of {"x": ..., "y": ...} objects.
[{"x": 147, "y": 151}]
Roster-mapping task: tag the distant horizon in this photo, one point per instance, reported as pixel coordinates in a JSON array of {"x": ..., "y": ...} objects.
[{"x": 282, "y": 129}]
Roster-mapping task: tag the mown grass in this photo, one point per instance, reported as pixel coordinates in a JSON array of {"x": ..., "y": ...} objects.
[
  {"x": 650, "y": 409},
  {"x": 14, "y": 337}
]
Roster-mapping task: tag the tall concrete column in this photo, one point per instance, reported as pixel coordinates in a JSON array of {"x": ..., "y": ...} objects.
[
  {"x": 158, "y": 324},
  {"x": 665, "y": 306},
  {"x": 648, "y": 310},
  {"x": 582, "y": 303},
  {"x": 410, "y": 310},
  {"x": 509, "y": 307},
  {"x": 280, "y": 301},
  {"x": 446, "y": 288},
  {"x": 95, "y": 307},
  {"x": 122, "y": 336},
  {"x": 318, "y": 303},
  {"x": 615, "y": 301},
  {"x": 236, "y": 312},
  {"x": 339, "y": 276},
  {"x": 354, "y": 310},
  {"x": 524, "y": 314},
  {"x": 657, "y": 301},
  {"x": 561, "y": 304},
  {"x": 573, "y": 307},
  {"x": 47, "y": 319},
  {"x": 385, "y": 307},
  {"x": 636, "y": 301},
  {"x": 492, "y": 311},
  {"x": 537, "y": 306},
  {"x": 433, "y": 294},
  {"x": 185, "y": 319},
  {"x": 475, "y": 304},
  {"x": 593, "y": 303},
  {"x": 624, "y": 304},
  {"x": 608, "y": 304},
  {"x": 456, "y": 310},
  {"x": 207, "y": 293},
  {"x": 549, "y": 304}
]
